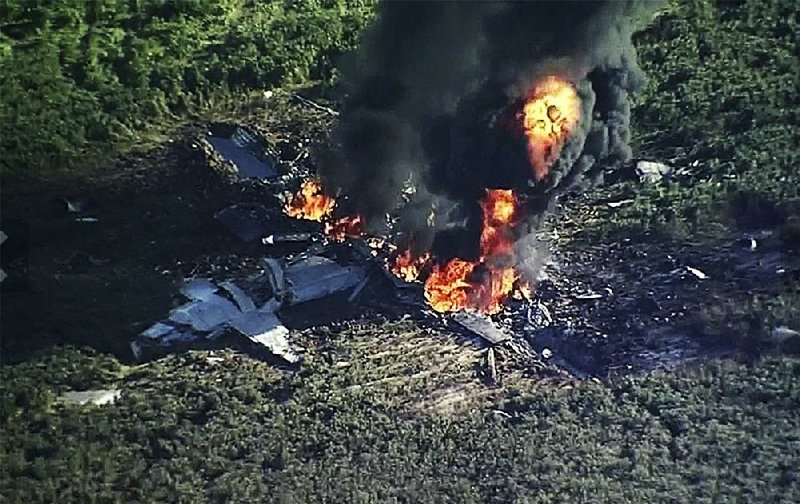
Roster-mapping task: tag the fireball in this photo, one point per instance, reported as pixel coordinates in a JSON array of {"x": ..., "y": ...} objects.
[{"x": 548, "y": 117}]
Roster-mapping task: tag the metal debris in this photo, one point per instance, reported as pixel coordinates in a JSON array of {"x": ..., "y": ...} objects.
[
  {"x": 198, "y": 289},
  {"x": 617, "y": 204},
  {"x": 491, "y": 366},
  {"x": 696, "y": 272},
  {"x": 209, "y": 314},
  {"x": 481, "y": 325},
  {"x": 239, "y": 296},
  {"x": 651, "y": 172},
  {"x": 289, "y": 238},
  {"x": 245, "y": 152},
  {"x": 318, "y": 277},
  {"x": 214, "y": 308},
  {"x": 205, "y": 315},
  {"x": 98, "y": 397},
  {"x": 75, "y": 205},
  {"x": 358, "y": 289},
  {"x": 274, "y": 270},
  {"x": 781, "y": 334},
  {"x": 309, "y": 103},
  {"x": 264, "y": 328}
]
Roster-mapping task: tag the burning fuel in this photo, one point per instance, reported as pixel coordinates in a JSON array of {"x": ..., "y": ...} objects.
[
  {"x": 310, "y": 202},
  {"x": 483, "y": 284},
  {"x": 548, "y": 116},
  {"x": 344, "y": 227},
  {"x": 408, "y": 267}
]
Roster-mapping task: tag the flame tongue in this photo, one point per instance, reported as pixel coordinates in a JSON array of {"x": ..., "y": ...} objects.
[
  {"x": 310, "y": 202},
  {"x": 344, "y": 227},
  {"x": 548, "y": 116},
  {"x": 408, "y": 267},
  {"x": 484, "y": 284}
]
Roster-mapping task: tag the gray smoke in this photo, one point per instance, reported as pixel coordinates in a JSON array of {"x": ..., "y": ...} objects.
[{"x": 427, "y": 95}]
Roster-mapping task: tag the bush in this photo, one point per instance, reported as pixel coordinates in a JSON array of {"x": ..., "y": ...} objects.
[{"x": 76, "y": 76}]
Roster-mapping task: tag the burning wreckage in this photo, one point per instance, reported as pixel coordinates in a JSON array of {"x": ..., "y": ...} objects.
[{"x": 448, "y": 152}]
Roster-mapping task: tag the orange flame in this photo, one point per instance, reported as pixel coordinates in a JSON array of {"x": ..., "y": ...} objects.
[
  {"x": 344, "y": 227},
  {"x": 310, "y": 202},
  {"x": 548, "y": 117},
  {"x": 486, "y": 283},
  {"x": 408, "y": 267},
  {"x": 447, "y": 288}
]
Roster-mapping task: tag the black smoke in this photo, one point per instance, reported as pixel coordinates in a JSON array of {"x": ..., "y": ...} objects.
[{"x": 426, "y": 98}]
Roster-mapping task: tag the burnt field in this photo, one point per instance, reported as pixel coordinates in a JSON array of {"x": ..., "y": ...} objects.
[{"x": 641, "y": 346}]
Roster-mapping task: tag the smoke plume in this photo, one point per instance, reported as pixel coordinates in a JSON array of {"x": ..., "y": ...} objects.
[{"x": 428, "y": 95}]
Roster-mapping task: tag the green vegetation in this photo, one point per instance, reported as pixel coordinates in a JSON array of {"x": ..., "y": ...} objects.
[
  {"x": 235, "y": 430},
  {"x": 722, "y": 105},
  {"x": 79, "y": 76}
]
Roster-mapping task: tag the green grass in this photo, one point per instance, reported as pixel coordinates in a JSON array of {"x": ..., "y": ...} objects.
[
  {"x": 721, "y": 104},
  {"x": 237, "y": 430},
  {"x": 79, "y": 79}
]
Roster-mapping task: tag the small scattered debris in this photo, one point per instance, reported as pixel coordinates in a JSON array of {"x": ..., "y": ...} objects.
[
  {"x": 589, "y": 296},
  {"x": 617, "y": 204},
  {"x": 697, "y": 273},
  {"x": 500, "y": 414},
  {"x": 781, "y": 334},
  {"x": 546, "y": 353},
  {"x": 491, "y": 366},
  {"x": 651, "y": 172},
  {"x": 99, "y": 397},
  {"x": 309, "y": 103},
  {"x": 76, "y": 204},
  {"x": 90, "y": 220}
]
